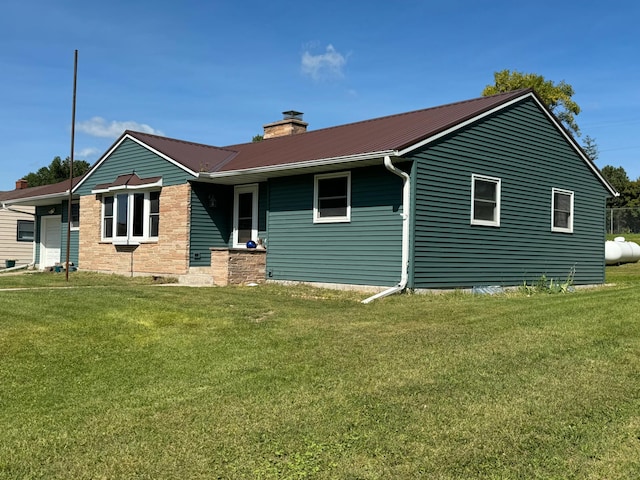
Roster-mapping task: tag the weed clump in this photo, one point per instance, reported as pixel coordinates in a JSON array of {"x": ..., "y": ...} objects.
[{"x": 549, "y": 285}]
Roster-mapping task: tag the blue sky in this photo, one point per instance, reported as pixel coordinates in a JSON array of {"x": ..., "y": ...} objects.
[{"x": 216, "y": 71}]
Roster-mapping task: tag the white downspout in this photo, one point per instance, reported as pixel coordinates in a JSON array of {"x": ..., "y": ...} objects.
[{"x": 406, "y": 205}]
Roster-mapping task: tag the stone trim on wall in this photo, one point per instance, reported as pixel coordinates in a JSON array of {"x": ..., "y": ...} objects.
[
  {"x": 168, "y": 256},
  {"x": 238, "y": 266}
]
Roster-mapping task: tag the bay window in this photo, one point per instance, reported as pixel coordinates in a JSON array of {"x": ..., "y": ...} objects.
[
  {"x": 107, "y": 217},
  {"x": 132, "y": 217}
]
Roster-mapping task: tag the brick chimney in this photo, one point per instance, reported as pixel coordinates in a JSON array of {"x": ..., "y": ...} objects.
[
  {"x": 21, "y": 184},
  {"x": 291, "y": 124}
]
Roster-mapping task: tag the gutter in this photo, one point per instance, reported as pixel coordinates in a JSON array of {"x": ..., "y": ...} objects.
[
  {"x": 38, "y": 198},
  {"x": 274, "y": 169},
  {"x": 406, "y": 201},
  {"x": 4, "y": 207}
]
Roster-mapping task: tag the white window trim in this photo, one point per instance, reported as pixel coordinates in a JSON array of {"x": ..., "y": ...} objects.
[
  {"x": 237, "y": 191},
  {"x": 569, "y": 229},
  {"x": 74, "y": 229},
  {"x": 498, "y": 182},
  {"x": 129, "y": 239},
  {"x": 336, "y": 219}
]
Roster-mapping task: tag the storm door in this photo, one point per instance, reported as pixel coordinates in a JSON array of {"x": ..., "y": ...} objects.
[{"x": 245, "y": 215}]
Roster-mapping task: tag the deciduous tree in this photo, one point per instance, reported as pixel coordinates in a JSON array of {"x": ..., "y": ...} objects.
[
  {"x": 57, "y": 171},
  {"x": 557, "y": 97}
]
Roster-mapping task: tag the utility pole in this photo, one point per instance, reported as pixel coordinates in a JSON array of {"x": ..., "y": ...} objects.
[{"x": 73, "y": 134}]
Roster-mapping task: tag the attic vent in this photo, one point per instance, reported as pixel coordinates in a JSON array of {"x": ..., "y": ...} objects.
[{"x": 291, "y": 124}]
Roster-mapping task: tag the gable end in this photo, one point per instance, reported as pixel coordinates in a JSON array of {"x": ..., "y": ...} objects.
[
  {"x": 123, "y": 143},
  {"x": 130, "y": 156}
]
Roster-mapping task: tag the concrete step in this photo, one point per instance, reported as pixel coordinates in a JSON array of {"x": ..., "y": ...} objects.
[{"x": 192, "y": 279}]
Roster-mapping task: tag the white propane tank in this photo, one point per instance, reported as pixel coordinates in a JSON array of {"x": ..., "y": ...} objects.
[
  {"x": 621, "y": 251},
  {"x": 612, "y": 252}
]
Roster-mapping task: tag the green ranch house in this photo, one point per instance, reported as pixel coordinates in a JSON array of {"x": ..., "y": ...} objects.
[{"x": 489, "y": 191}]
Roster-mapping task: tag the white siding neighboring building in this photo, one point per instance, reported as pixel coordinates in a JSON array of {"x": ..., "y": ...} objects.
[{"x": 17, "y": 233}]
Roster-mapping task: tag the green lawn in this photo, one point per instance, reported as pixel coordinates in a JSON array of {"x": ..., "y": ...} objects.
[
  {"x": 629, "y": 237},
  {"x": 133, "y": 380}
]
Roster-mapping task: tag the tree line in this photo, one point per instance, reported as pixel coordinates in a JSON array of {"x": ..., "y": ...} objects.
[
  {"x": 57, "y": 171},
  {"x": 625, "y": 214}
]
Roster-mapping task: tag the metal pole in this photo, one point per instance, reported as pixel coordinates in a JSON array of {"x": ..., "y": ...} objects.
[
  {"x": 612, "y": 221},
  {"x": 73, "y": 133}
]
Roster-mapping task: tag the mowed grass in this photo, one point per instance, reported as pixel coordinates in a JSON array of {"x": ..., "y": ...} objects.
[
  {"x": 629, "y": 237},
  {"x": 141, "y": 381}
]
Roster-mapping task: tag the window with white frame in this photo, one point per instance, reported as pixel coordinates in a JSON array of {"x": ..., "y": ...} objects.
[
  {"x": 561, "y": 210},
  {"x": 485, "y": 200},
  {"x": 75, "y": 215},
  {"x": 332, "y": 198},
  {"x": 131, "y": 217},
  {"x": 25, "y": 231}
]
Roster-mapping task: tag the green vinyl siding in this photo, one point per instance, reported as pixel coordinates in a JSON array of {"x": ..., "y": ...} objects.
[
  {"x": 520, "y": 146},
  {"x": 74, "y": 237},
  {"x": 213, "y": 227},
  {"x": 263, "y": 209},
  {"x": 128, "y": 157},
  {"x": 210, "y": 226},
  {"x": 364, "y": 251}
]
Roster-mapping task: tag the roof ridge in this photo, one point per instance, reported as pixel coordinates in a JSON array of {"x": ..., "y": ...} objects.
[
  {"x": 177, "y": 140},
  {"x": 437, "y": 107},
  {"x": 514, "y": 93}
]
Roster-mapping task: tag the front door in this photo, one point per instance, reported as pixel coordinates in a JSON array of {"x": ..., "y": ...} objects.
[
  {"x": 50, "y": 240},
  {"x": 245, "y": 215}
]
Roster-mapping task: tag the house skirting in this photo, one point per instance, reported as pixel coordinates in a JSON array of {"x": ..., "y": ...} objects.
[{"x": 237, "y": 266}]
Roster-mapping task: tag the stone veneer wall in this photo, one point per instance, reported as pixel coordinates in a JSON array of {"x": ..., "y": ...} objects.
[
  {"x": 168, "y": 256},
  {"x": 238, "y": 266}
]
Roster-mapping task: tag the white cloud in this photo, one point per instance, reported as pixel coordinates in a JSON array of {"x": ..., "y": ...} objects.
[
  {"x": 325, "y": 65},
  {"x": 86, "y": 153},
  {"x": 99, "y": 127}
]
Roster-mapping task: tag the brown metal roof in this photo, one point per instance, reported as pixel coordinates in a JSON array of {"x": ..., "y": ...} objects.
[
  {"x": 55, "y": 189},
  {"x": 394, "y": 132},
  {"x": 391, "y": 133},
  {"x": 386, "y": 134},
  {"x": 196, "y": 157},
  {"x": 130, "y": 179}
]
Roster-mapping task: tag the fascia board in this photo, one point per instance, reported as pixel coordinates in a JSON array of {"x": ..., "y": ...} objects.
[
  {"x": 101, "y": 160},
  {"x": 298, "y": 165},
  {"x": 142, "y": 144},
  {"x": 37, "y": 198},
  {"x": 461, "y": 125},
  {"x": 551, "y": 117},
  {"x": 578, "y": 149}
]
